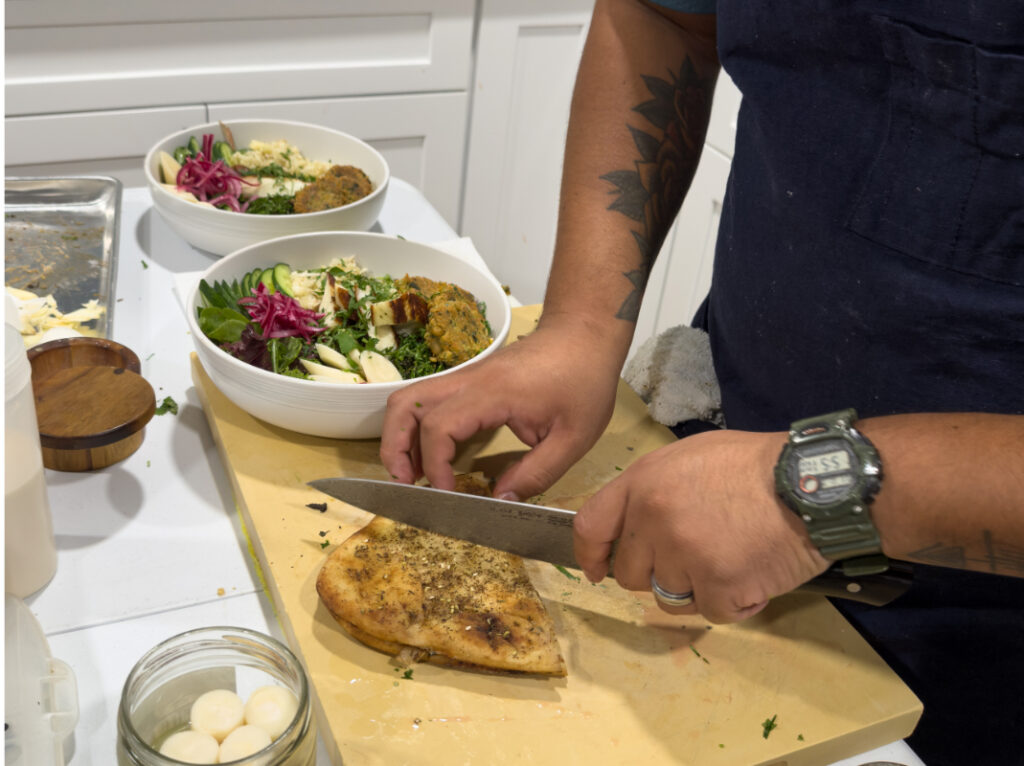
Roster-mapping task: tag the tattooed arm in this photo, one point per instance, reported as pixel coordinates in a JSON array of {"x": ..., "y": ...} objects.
[
  {"x": 953, "y": 492},
  {"x": 639, "y": 113}
]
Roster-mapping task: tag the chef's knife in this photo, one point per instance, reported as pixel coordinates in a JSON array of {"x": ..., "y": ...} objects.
[{"x": 543, "y": 533}]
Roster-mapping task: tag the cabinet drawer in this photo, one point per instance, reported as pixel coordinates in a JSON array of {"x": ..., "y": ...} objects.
[
  {"x": 92, "y": 143},
  {"x": 422, "y": 136},
  {"x": 123, "y": 53}
]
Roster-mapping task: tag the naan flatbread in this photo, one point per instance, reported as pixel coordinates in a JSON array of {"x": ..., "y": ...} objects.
[{"x": 426, "y": 597}]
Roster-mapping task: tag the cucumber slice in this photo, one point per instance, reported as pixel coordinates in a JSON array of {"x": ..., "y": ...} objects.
[
  {"x": 194, "y": 148},
  {"x": 267, "y": 278},
  {"x": 246, "y": 284},
  {"x": 283, "y": 279},
  {"x": 221, "y": 151}
]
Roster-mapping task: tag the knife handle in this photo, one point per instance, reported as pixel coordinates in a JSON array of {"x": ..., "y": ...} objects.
[{"x": 874, "y": 589}]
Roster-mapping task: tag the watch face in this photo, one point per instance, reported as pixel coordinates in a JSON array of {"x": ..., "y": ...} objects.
[{"x": 824, "y": 472}]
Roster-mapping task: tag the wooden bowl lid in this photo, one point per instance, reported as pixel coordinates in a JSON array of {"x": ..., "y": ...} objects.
[{"x": 87, "y": 393}]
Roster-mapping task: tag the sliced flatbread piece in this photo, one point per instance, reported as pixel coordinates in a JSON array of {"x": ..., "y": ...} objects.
[{"x": 426, "y": 597}]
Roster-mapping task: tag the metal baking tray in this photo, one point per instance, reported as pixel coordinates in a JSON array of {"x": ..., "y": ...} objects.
[{"x": 61, "y": 239}]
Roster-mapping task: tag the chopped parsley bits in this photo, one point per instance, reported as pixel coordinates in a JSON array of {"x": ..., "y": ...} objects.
[
  {"x": 567, "y": 573},
  {"x": 324, "y": 544},
  {"x": 167, "y": 405},
  {"x": 769, "y": 725}
]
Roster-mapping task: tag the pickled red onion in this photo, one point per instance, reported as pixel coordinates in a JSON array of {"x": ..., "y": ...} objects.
[
  {"x": 214, "y": 182},
  {"x": 279, "y": 315}
]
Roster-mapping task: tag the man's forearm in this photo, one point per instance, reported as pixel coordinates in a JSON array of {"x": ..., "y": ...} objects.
[
  {"x": 953, "y": 489},
  {"x": 639, "y": 114}
]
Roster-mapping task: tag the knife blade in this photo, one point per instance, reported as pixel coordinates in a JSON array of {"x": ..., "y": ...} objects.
[{"x": 544, "y": 533}]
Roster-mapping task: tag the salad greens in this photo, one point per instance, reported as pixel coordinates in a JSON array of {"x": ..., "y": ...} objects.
[
  {"x": 211, "y": 171},
  {"x": 167, "y": 405},
  {"x": 336, "y": 323}
]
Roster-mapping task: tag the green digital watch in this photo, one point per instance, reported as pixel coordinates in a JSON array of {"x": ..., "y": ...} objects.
[{"x": 829, "y": 474}]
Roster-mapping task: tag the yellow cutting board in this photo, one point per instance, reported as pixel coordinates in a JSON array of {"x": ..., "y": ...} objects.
[{"x": 643, "y": 687}]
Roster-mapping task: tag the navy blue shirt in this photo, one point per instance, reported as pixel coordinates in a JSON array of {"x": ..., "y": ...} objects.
[
  {"x": 871, "y": 255},
  {"x": 871, "y": 248}
]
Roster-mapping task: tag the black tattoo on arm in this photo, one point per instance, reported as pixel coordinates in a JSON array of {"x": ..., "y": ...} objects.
[
  {"x": 652, "y": 192},
  {"x": 995, "y": 557}
]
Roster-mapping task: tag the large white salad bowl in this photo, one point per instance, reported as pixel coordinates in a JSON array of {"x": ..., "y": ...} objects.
[
  {"x": 335, "y": 410},
  {"x": 224, "y": 231}
]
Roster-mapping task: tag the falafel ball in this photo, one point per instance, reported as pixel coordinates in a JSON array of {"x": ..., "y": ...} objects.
[{"x": 341, "y": 185}]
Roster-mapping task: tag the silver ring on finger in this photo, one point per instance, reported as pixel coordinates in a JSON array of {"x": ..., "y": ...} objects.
[{"x": 668, "y": 598}]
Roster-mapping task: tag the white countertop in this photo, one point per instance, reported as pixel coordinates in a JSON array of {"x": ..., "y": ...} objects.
[{"x": 151, "y": 547}]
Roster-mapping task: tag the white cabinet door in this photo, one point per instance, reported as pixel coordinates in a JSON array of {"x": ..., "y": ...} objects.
[
  {"x": 73, "y": 56},
  {"x": 422, "y": 136},
  {"x": 527, "y": 55},
  {"x": 681, "y": 275},
  {"x": 110, "y": 143},
  {"x": 527, "y": 58},
  {"x": 726, "y": 106}
]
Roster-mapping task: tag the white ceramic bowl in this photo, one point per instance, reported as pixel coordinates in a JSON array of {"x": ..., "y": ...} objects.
[
  {"x": 224, "y": 231},
  {"x": 335, "y": 410}
]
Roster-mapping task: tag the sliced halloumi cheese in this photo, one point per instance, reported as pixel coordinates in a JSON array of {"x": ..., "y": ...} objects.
[
  {"x": 326, "y": 307},
  {"x": 269, "y": 187},
  {"x": 408, "y": 307},
  {"x": 385, "y": 335}
]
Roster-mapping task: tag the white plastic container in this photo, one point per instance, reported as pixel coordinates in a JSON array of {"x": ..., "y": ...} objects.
[
  {"x": 30, "y": 553},
  {"x": 40, "y": 693}
]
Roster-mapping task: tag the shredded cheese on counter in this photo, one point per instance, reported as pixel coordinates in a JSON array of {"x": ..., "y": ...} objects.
[{"x": 42, "y": 321}]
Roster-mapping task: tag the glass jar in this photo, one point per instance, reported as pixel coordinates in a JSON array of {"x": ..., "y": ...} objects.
[{"x": 159, "y": 692}]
